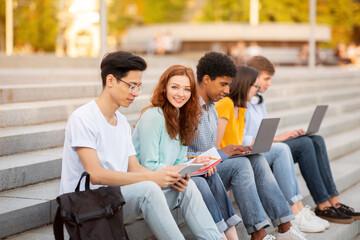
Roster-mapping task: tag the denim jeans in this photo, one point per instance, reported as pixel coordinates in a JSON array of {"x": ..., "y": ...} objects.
[
  {"x": 282, "y": 164},
  {"x": 255, "y": 189},
  {"x": 311, "y": 154},
  {"x": 217, "y": 201},
  {"x": 153, "y": 203}
]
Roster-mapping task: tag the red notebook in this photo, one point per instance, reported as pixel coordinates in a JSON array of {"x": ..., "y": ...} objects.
[
  {"x": 204, "y": 171},
  {"x": 213, "y": 153}
]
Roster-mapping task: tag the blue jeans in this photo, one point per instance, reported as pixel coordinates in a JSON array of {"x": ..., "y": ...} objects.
[
  {"x": 149, "y": 200},
  {"x": 282, "y": 164},
  {"x": 217, "y": 201},
  {"x": 311, "y": 154},
  {"x": 255, "y": 189}
]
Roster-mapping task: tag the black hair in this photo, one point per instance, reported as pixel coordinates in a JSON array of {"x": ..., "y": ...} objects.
[
  {"x": 119, "y": 64},
  {"x": 215, "y": 65}
]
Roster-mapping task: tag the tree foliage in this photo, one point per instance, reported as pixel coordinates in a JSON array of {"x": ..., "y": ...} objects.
[
  {"x": 225, "y": 10},
  {"x": 125, "y": 13},
  {"x": 342, "y": 15},
  {"x": 35, "y": 23}
]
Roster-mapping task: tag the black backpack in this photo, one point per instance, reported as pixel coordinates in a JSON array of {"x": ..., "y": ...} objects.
[{"x": 91, "y": 214}]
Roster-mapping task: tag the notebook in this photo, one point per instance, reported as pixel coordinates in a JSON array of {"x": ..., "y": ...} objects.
[{"x": 212, "y": 152}]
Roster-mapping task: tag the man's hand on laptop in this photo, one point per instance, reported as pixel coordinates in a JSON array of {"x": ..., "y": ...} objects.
[
  {"x": 231, "y": 150},
  {"x": 288, "y": 135}
]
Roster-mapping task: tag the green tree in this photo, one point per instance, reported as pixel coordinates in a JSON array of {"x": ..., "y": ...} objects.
[
  {"x": 225, "y": 10},
  {"x": 125, "y": 13},
  {"x": 342, "y": 15},
  {"x": 284, "y": 11},
  {"x": 35, "y": 23}
]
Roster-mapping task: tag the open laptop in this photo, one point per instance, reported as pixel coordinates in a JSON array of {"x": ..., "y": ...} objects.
[
  {"x": 264, "y": 137},
  {"x": 316, "y": 119}
]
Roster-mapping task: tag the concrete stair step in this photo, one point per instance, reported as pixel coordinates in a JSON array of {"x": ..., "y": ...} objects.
[
  {"x": 48, "y": 91},
  {"x": 53, "y": 61},
  {"x": 325, "y": 74},
  {"x": 46, "y": 135},
  {"x": 302, "y": 114},
  {"x": 47, "y": 61},
  {"x": 139, "y": 230},
  {"x": 25, "y": 208},
  {"x": 343, "y": 144},
  {"x": 31, "y": 138},
  {"x": 23, "y": 169},
  {"x": 19, "y": 114},
  {"x": 274, "y": 103},
  {"x": 330, "y": 125},
  {"x": 301, "y": 87},
  {"x": 26, "y": 75},
  {"x": 58, "y": 90}
]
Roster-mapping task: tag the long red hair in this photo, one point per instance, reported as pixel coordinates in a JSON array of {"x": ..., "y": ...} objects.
[{"x": 185, "y": 121}]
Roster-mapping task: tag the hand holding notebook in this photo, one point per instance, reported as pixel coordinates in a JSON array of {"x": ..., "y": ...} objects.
[{"x": 214, "y": 160}]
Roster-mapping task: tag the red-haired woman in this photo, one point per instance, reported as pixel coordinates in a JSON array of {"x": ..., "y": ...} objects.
[{"x": 163, "y": 133}]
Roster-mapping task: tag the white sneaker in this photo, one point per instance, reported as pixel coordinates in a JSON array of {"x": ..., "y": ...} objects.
[
  {"x": 269, "y": 237},
  {"x": 302, "y": 233},
  {"x": 324, "y": 222},
  {"x": 292, "y": 234},
  {"x": 306, "y": 221}
]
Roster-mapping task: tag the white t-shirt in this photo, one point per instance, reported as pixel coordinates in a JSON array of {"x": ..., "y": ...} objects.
[{"x": 87, "y": 127}]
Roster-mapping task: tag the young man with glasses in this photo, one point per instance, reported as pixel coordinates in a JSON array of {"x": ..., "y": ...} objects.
[{"x": 98, "y": 140}]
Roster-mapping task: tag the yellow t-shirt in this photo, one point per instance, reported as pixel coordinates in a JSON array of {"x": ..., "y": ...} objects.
[{"x": 234, "y": 131}]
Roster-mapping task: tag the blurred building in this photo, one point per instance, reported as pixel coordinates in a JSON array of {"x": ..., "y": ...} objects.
[
  {"x": 202, "y": 36},
  {"x": 79, "y": 34}
]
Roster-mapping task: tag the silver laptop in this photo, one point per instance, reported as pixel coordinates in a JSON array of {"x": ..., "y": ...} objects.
[
  {"x": 316, "y": 119},
  {"x": 264, "y": 137}
]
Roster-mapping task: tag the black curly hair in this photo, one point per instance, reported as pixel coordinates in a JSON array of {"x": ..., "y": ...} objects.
[{"x": 215, "y": 65}]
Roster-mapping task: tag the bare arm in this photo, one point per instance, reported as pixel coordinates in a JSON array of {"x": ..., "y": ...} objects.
[
  {"x": 137, "y": 173},
  {"x": 231, "y": 149},
  {"x": 221, "y": 130}
]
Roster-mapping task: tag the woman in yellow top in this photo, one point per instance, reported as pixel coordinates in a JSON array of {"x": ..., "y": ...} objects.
[
  {"x": 231, "y": 126},
  {"x": 231, "y": 122}
]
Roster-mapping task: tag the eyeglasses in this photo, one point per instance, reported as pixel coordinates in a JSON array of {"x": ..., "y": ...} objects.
[
  {"x": 257, "y": 87},
  {"x": 132, "y": 88}
]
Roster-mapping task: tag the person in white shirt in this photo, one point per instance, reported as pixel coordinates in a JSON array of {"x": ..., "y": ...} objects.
[{"x": 98, "y": 140}]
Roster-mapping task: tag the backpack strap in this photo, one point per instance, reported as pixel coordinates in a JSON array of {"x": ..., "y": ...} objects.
[
  {"x": 87, "y": 182},
  {"x": 58, "y": 226}
]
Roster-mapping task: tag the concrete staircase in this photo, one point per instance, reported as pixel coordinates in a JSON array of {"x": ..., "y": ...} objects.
[{"x": 34, "y": 107}]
